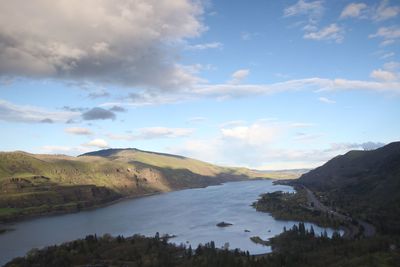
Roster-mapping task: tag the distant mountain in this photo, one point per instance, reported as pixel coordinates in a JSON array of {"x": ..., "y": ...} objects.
[
  {"x": 33, "y": 184},
  {"x": 285, "y": 174},
  {"x": 366, "y": 183}
]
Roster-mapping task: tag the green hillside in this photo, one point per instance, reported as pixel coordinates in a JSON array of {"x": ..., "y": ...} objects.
[
  {"x": 33, "y": 184},
  {"x": 364, "y": 183}
]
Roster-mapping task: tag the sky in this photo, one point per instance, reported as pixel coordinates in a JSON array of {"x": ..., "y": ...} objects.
[{"x": 260, "y": 84}]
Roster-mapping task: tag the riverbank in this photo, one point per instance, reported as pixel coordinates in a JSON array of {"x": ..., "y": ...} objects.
[
  {"x": 303, "y": 205},
  {"x": 74, "y": 207},
  {"x": 294, "y": 206}
]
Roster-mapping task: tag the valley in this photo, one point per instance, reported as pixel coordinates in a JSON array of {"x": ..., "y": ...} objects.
[
  {"x": 33, "y": 185},
  {"x": 345, "y": 194}
]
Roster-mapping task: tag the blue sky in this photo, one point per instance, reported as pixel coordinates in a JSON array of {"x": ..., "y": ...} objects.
[{"x": 261, "y": 84}]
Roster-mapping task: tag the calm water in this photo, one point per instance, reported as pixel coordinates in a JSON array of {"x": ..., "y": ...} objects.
[{"x": 190, "y": 214}]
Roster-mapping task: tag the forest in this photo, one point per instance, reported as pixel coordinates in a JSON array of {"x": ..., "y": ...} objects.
[{"x": 297, "y": 246}]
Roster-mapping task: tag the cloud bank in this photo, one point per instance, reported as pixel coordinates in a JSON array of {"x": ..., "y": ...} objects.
[{"x": 130, "y": 43}]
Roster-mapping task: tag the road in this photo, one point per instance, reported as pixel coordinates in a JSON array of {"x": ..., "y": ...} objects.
[{"x": 351, "y": 230}]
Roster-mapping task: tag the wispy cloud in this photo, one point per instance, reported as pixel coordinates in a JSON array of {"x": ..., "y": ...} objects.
[
  {"x": 354, "y": 10},
  {"x": 213, "y": 45},
  {"x": 99, "y": 94},
  {"x": 78, "y": 131},
  {"x": 313, "y": 9},
  {"x": 239, "y": 76},
  {"x": 313, "y": 84},
  {"x": 392, "y": 65},
  {"x": 384, "y": 11},
  {"x": 331, "y": 32},
  {"x": 384, "y": 75},
  {"x": 153, "y": 133},
  {"x": 30, "y": 114},
  {"x": 387, "y": 55},
  {"x": 234, "y": 88},
  {"x": 389, "y": 35},
  {"x": 326, "y": 100}
]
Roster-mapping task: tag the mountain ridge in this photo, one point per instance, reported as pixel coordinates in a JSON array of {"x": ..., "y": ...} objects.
[
  {"x": 35, "y": 184},
  {"x": 363, "y": 183}
]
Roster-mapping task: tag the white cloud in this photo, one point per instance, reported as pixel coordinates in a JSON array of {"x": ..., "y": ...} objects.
[
  {"x": 99, "y": 143},
  {"x": 78, "y": 131},
  {"x": 239, "y": 75},
  {"x": 326, "y": 100},
  {"x": 353, "y": 10},
  {"x": 383, "y": 75},
  {"x": 133, "y": 42},
  {"x": 315, "y": 84},
  {"x": 377, "y": 13},
  {"x": 153, "y": 133},
  {"x": 312, "y": 8},
  {"x": 254, "y": 134},
  {"x": 30, "y": 114},
  {"x": 331, "y": 32},
  {"x": 270, "y": 155},
  {"x": 384, "y": 11},
  {"x": 387, "y": 55},
  {"x": 236, "y": 90},
  {"x": 388, "y": 34},
  {"x": 213, "y": 45},
  {"x": 270, "y": 145}
]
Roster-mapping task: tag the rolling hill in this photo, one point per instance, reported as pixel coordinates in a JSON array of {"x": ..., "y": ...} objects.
[
  {"x": 32, "y": 184},
  {"x": 364, "y": 183}
]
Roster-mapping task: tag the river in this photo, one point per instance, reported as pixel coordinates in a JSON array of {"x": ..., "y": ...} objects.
[{"x": 190, "y": 214}]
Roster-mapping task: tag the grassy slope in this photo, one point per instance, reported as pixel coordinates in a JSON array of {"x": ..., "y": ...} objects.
[{"x": 35, "y": 184}]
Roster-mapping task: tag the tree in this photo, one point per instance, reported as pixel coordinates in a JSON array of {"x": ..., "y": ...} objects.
[
  {"x": 190, "y": 251},
  {"x": 312, "y": 231}
]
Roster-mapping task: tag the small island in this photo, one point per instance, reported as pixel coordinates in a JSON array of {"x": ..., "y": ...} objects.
[{"x": 224, "y": 224}]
